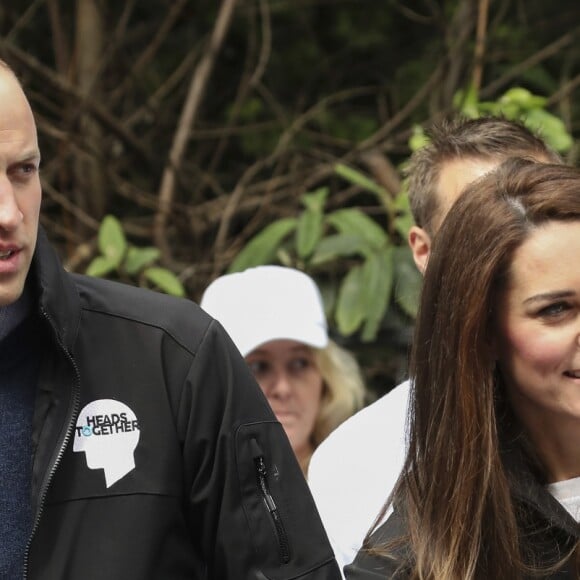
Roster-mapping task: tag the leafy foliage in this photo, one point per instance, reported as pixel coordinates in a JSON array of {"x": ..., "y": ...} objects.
[
  {"x": 327, "y": 239},
  {"x": 118, "y": 259},
  {"x": 520, "y": 104},
  {"x": 292, "y": 99},
  {"x": 383, "y": 262}
]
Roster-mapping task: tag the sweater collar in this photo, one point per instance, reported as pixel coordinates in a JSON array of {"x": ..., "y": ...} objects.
[
  {"x": 13, "y": 314},
  {"x": 58, "y": 298}
]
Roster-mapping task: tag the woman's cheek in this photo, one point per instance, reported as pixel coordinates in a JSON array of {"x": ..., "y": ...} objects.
[{"x": 531, "y": 350}]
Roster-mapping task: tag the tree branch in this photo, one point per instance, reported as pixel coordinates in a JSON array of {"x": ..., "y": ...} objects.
[{"x": 188, "y": 115}]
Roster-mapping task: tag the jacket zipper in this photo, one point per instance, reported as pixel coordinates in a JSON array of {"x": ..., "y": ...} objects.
[
  {"x": 69, "y": 430},
  {"x": 264, "y": 489}
]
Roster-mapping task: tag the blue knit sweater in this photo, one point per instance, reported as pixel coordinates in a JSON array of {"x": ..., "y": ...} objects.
[{"x": 19, "y": 364}]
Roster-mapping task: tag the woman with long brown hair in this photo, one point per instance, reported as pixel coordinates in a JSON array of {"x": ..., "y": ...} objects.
[{"x": 491, "y": 483}]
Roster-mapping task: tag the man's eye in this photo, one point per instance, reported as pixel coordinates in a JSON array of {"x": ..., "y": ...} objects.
[
  {"x": 24, "y": 170},
  {"x": 28, "y": 168}
]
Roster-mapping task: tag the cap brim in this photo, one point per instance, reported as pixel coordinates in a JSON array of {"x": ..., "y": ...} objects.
[{"x": 315, "y": 337}]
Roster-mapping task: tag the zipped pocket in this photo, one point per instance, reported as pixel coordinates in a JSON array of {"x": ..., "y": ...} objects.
[
  {"x": 264, "y": 490},
  {"x": 284, "y": 530}
]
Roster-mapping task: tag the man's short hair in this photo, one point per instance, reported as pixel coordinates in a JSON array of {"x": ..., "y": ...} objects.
[{"x": 485, "y": 138}]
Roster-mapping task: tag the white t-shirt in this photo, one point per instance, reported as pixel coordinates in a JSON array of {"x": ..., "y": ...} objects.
[
  {"x": 354, "y": 470},
  {"x": 567, "y": 492}
]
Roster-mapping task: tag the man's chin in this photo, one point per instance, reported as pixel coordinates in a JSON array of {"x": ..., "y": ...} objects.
[{"x": 10, "y": 292}]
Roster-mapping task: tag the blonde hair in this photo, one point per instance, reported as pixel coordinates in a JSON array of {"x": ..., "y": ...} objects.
[{"x": 343, "y": 393}]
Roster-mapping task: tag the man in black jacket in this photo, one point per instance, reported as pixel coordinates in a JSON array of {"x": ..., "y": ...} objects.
[{"x": 134, "y": 441}]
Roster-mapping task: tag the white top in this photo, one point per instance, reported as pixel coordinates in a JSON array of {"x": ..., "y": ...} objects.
[
  {"x": 353, "y": 471},
  {"x": 567, "y": 492}
]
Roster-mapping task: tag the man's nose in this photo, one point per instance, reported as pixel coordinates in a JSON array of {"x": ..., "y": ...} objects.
[{"x": 10, "y": 214}]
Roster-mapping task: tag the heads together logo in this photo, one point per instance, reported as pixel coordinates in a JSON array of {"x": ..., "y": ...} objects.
[{"x": 108, "y": 432}]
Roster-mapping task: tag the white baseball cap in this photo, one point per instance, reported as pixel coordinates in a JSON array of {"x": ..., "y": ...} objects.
[{"x": 267, "y": 303}]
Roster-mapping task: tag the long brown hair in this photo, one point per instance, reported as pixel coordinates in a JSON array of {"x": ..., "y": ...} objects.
[{"x": 454, "y": 491}]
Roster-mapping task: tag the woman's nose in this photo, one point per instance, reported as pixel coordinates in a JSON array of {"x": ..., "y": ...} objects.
[{"x": 281, "y": 385}]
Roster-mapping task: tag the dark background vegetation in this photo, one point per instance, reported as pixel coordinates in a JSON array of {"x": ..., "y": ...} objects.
[{"x": 198, "y": 122}]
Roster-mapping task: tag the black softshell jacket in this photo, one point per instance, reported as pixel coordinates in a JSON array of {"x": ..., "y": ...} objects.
[
  {"x": 549, "y": 532},
  {"x": 156, "y": 454}
]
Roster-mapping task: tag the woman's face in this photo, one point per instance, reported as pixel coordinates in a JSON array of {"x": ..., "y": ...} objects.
[
  {"x": 539, "y": 328},
  {"x": 288, "y": 375}
]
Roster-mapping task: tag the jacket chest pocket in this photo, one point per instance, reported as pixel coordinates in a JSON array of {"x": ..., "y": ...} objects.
[{"x": 283, "y": 521}]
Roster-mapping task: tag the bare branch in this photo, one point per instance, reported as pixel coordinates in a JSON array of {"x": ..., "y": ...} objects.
[
  {"x": 383, "y": 170},
  {"x": 188, "y": 115},
  {"x": 59, "y": 39},
  {"x": 62, "y": 85},
  {"x": 151, "y": 49},
  {"x": 548, "y": 51},
  {"x": 481, "y": 33}
]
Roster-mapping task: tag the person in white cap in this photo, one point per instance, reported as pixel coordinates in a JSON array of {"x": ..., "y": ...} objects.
[{"x": 275, "y": 317}]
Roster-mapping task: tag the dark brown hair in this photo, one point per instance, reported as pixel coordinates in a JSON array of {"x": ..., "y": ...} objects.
[
  {"x": 454, "y": 490},
  {"x": 486, "y": 138}
]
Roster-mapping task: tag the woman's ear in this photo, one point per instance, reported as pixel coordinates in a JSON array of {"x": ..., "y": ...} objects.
[{"x": 420, "y": 243}]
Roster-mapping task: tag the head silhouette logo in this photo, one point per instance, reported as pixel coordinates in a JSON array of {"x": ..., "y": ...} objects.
[{"x": 107, "y": 431}]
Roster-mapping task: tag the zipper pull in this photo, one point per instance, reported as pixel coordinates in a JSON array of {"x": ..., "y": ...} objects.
[
  {"x": 264, "y": 488},
  {"x": 258, "y": 456}
]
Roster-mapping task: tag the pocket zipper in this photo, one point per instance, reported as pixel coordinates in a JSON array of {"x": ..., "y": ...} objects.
[{"x": 264, "y": 489}]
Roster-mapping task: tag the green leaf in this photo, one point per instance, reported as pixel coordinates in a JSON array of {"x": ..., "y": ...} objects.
[
  {"x": 284, "y": 257},
  {"x": 408, "y": 281},
  {"x": 316, "y": 199},
  {"x": 523, "y": 98},
  {"x": 262, "y": 248},
  {"x": 354, "y": 222},
  {"x": 338, "y": 246},
  {"x": 139, "y": 258},
  {"x": 350, "y": 310},
  {"x": 418, "y": 138},
  {"x": 309, "y": 229},
  {"x": 467, "y": 102},
  {"x": 378, "y": 283},
  {"x": 308, "y": 232},
  {"x": 100, "y": 267},
  {"x": 112, "y": 242},
  {"x": 550, "y": 128},
  {"x": 165, "y": 280},
  {"x": 357, "y": 178},
  {"x": 329, "y": 292}
]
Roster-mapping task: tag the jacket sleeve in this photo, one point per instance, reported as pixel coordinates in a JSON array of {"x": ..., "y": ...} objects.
[
  {"x": 249, "y": 508},
  {"x": 368, "y": 565}
]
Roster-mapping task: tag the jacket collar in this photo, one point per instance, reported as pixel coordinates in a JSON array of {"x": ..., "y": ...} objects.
[
  {"x": 527, "y": 488},
  {"x": 58, "y": 298}
]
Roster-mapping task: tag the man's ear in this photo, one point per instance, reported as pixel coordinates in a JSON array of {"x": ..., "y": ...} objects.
[{"x": 420, "y": 243}]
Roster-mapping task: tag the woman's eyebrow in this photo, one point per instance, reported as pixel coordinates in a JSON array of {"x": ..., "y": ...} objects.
[{"x": 544, "y": 296}]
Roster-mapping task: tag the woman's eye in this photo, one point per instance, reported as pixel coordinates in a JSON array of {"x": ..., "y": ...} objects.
[
  {"x": 299, "y": 364},
  {"x": 258, "y": 367},
  {"x": 554, "y": 310}
]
